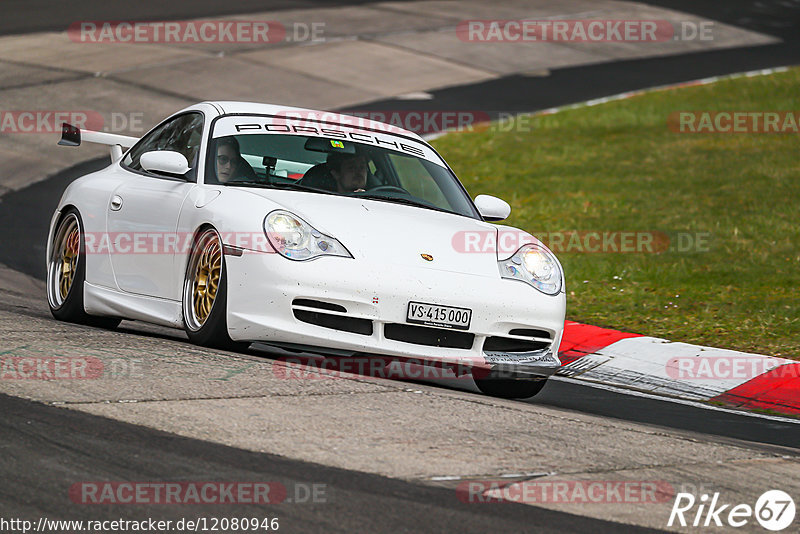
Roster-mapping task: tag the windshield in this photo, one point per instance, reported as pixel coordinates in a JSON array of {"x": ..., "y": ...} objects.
[{"x": 334, "y": 166}]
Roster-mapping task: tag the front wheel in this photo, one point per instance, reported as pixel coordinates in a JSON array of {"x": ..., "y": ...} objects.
[
  {"x": 510, "y": 388},
  {"x": 205, "y": 291},
  {"x": 66, "y": 273}
]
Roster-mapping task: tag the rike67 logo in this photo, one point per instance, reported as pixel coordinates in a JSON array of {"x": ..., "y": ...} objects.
[{"x": 774, "y": 510}]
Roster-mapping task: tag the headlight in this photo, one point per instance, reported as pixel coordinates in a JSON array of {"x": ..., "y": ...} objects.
[
  {"x": 535, "y": 265},
  {"x": 295, "y": 239}
]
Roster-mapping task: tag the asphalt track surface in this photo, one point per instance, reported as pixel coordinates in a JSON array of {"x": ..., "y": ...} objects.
[
  {"x": 61, "y": 446},
  {"x": 517, "y": 94},
  {"x": 45, "y": 449},
  {"x": 28, "y": 16}
]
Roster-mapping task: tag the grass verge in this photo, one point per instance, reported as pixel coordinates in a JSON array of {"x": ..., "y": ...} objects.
[{"x": 617, "y": 167}]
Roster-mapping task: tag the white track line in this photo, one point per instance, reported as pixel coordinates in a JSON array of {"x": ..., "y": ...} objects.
[
  {"x": 694, "y": 404},
  {"x": 629, "y": 94}
]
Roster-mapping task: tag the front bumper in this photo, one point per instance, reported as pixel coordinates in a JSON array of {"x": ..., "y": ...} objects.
[
  {"x": 540, "y": 363},
  {"x": 263, "y": 289}
]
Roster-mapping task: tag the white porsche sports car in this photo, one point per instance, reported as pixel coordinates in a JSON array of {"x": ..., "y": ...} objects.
[{"x": 306, "y": 230}]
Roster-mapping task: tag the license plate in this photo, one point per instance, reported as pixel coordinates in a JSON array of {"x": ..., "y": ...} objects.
[{"x": 435, "y": 315}]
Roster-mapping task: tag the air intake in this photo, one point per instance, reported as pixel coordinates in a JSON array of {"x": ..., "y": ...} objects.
[{"x": 431, "y": 337}]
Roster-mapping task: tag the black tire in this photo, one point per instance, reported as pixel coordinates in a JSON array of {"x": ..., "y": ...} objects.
[
  {"x": 510, "y": 388},
  {"x": 65, "y": 299},
  {"x": 211, "y": 330}
]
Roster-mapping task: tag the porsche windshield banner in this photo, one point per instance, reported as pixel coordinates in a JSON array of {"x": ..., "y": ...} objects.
[{"x": 326, "y": 125}]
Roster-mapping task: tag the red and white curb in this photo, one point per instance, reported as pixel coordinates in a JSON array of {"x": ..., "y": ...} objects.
[{"x": 680, "y": 370}]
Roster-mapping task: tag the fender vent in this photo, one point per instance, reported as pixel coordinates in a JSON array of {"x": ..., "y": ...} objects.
[
  {"x": 530, "y": 332},
  {"x": 335, "y": 322},
  {"x": 310, "y": 303}
]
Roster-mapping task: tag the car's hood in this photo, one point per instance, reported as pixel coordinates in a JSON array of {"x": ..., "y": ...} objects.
[{"x": 385, "y": 232}]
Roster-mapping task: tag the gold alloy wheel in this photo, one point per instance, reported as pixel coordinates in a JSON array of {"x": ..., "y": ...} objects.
[
  {"x": 205, "y": 272},
  {"x": 64, "y": 260},
  {"x": 69, "y": 261}
]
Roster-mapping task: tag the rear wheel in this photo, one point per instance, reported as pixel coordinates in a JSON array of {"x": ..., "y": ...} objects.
[
  {"x": 205, "y": 291},
  {"x": 510, "y": 388},
  {"x": 66, "y": 273}
]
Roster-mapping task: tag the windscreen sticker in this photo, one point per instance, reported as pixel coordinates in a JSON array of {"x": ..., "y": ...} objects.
[{"x": 243, "y": 125}]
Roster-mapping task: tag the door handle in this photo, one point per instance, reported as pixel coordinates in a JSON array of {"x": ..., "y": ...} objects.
[{"x": 116, "y": 203}]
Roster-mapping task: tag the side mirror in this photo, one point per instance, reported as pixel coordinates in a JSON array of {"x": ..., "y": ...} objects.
[
  {"x": 492, "y": 208},
  {"x": 165, "y": 162}
]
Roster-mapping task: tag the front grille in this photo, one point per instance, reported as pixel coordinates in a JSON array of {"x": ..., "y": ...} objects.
[
  {"x": 507, "y": 344},
  {"x": 335, "y": 322},
  {"x": 431, "y": 337},
  {"x": 530, "y": 332}
]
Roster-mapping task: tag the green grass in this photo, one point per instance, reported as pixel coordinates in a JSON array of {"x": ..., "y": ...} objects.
[{"x": 618, "y": 167}]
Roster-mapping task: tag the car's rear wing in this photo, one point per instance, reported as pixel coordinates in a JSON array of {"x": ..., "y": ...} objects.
[{"x": 72, "y": 136}]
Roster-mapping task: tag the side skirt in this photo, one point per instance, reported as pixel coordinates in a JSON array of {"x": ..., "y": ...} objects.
[{"x": 104, "y": 301}]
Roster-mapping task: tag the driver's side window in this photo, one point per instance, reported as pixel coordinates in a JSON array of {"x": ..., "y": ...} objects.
[{"x": 181, "y": 134}]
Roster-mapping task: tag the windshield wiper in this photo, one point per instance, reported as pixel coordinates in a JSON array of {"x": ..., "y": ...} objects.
[
  {"x": 277, "y": 185},
  {"x": 406, "y": 201}
]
